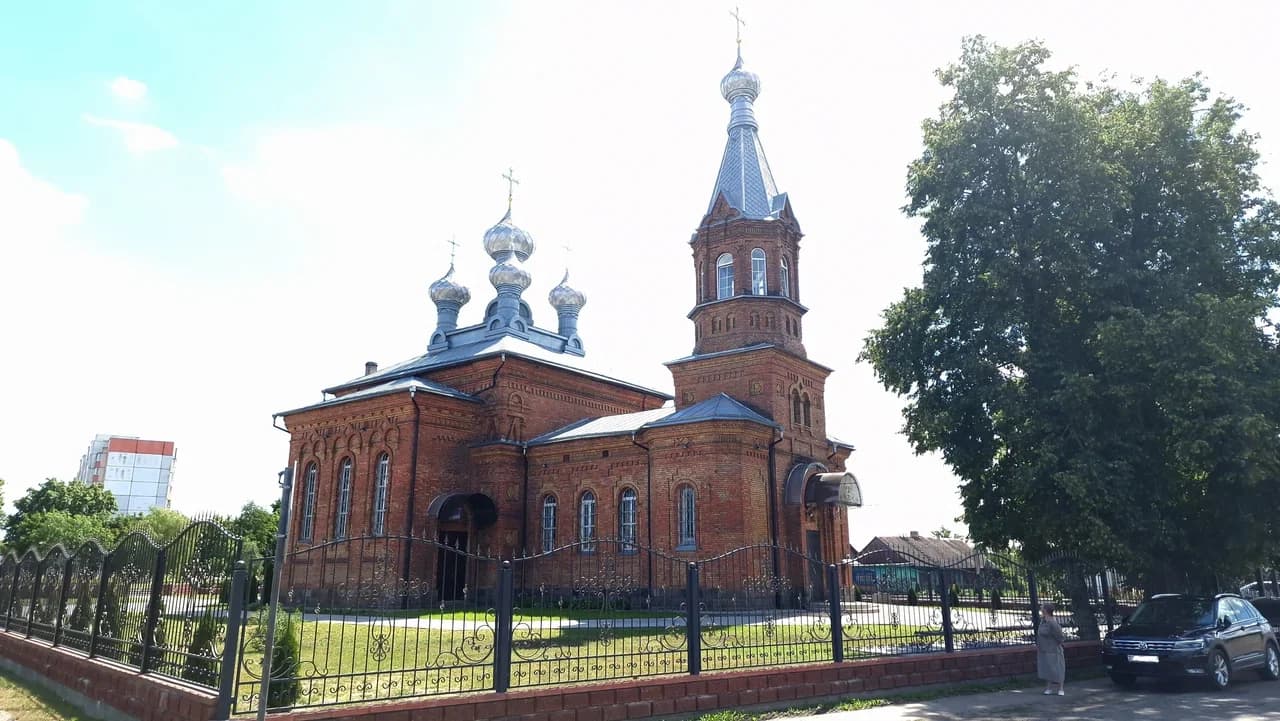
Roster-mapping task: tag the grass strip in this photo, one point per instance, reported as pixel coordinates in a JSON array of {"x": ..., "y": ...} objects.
[{"x": 26, "y": 702}]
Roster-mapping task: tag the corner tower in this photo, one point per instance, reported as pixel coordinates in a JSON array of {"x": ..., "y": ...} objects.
[{"x": 746, "y": 251}]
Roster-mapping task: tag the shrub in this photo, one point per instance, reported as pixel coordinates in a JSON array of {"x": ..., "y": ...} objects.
[
  {"x": 857, "y": 593},
  {"x": 285, "y": 688},
  {"x": 202, "y": 653},
  {"x": 996, "y": 601},
  {"x": 912, "y": 597},
  {"x": 953, "y": 595},
  {"x": 81, "y": 618}
]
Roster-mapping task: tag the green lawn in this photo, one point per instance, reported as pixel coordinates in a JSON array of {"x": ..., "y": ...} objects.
[{"x": 25, "y": 702}]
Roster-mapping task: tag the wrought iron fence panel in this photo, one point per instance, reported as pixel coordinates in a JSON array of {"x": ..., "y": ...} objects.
[
  {"x": 1076, "y": 590},
  {"x": 891, "y": 609},
  {"x": 47, "y": 610},
  {"x": 192, "y": 622},
  {"x": 126, "y": 593},
  {"x": 84, "y": 569},
  {"x": 599, "y": 610},
  {"x": 373, "y": 618},
  {"x": 763, "y": 606},
  {"x": 989, "y": 597},
  {"x": 23, "y": 589},
  {"x": 8, "y": 567}
]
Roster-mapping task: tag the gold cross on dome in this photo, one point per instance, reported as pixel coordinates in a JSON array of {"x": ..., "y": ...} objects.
[
  {"x": 510, "y": 175},
  {"x": 739, "y": 23},
  {"x": 453, "y": 248}
]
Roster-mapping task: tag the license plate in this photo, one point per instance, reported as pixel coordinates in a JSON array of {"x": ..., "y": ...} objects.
[{"x": 1144, "y": 659}]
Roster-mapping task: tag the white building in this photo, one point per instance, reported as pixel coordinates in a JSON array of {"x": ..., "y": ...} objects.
[{"x": 138, "y": 473}]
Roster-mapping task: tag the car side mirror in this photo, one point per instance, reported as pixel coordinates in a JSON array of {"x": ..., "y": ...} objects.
[{"x": 1224, "y": 622}]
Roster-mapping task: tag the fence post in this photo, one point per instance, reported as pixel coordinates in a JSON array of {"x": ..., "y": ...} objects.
[
  {"x": 502, "y": 640},
  {"x": 837, "y": 615},
  {"x": 693, "y": 620},
  {"x": 1107, "y": 607},
  {"x": 62, "y": 601},
  {"x": 35, "y": 594},
  {"x": 153, "y": 611},
  {"x": 13, "y": 593},
  {"x": 1034, "y": 598},
  {"x": 948, "y": 632},
  {"x": 1275, "y": 587},
  {"x": 231, "y": 646},
  {"x": 97, "y": 606}
]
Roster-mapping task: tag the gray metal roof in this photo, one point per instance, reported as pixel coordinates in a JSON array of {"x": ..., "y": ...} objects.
[
  {"x": 625, "y": 423},
  {"x": 744, "y": 179},
  {"x": 731, "y": 351},
  {"x": 717, "y": 408},
  {"x": 402, "y": 385},
  {"x": 842, "y": 444}
]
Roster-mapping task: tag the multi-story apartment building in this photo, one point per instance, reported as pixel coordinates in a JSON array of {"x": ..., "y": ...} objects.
[{"x": 138, "y": 473}]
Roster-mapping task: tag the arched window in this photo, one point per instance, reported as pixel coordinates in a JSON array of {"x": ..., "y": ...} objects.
[
  {"x": 724, "y": 276},
  {"x": 344, "y": 500},
  {"x": 784, "y": 278},
  {"x": 808, "y": 421},
  {"x": 687, "y": 513},
  {"x": 758, "y": 284},
  {"x": 381, "y": 482},
  {"x": 548, "y": 523},
  {"x": 627, "y": 519},
  {"x": 308, "y": 503},
  {"x": 700, "y": 284},
  {"x": 795, "y": 407},
  {"x": 587, "y": 522}
]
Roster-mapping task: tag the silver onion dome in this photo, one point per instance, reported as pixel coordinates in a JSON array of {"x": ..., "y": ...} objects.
[
  {"x": 446, "y": 290},
  {"x": 740, "y": 82},
  {"x": 508, "y": 272},
  {"x": 563, "y": 296},
  {"x": 506, "y": 238}
]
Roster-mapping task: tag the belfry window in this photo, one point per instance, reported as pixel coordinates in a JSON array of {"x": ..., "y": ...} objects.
[
  {"x": 688, "y": 520},
  {"x": 758, "y": 284},
  {"x": 784, "y": 278},
  {"x": 587, "y": 522},
  {"x": 627, "y": 519},
  {"x": 807, "y": 418},
  {"x": 795, "y": 408},
  {"x": 308, "y": 504},
  {"x": 340, "y": 521},
  {"x": 548, "y": 523},
  {"x": 724, "y": 276},
  {"x": 381, "y": 482}
]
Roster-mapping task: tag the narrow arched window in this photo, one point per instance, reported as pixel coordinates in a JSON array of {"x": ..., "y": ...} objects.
[
  {"x": 344, "y": 500},
  {"x": 795, "y": 407},
  {"x": 700, "y": 284},
  {"x": 808, "y": 421},
  {"x": 627, "y": 519},
  {"x": 758, "y": 284},
  {"x": 309, "y": 503},
  {"x": 688, "y": 518},
  {"x": 548, "y": 523},
  {"x": 381, "y": 484},
  {"x": 587, "y": 522},
  {"x": 784, "y": 278},
  {"x": 724, "y": 276}
]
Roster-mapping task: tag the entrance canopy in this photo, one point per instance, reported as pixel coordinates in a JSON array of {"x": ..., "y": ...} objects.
[
  {"x": 456, "y": 506},
  {"x": 812, "y": 483}
]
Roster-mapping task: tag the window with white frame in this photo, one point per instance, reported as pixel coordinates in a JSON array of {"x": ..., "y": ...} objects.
[
  {"x": 724, "y": 276},
  {"x": 309, "y": 503},
  {"x": 344, "y": 500},
  {"x": 784, "y": 278},
  {"x": 627, "y": 519},
  {"x": 381, "y": 484},
  {"x": 587, "y": 522},
  {"x": 688, "y": 519},
  {"x": 759, "y": 286},
  {"x": 548, "y": 523}
]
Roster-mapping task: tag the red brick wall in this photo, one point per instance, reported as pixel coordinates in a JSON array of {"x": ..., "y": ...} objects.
[
  {"x": 138, "y": 696},
  {"x": 664, "y": 697}
]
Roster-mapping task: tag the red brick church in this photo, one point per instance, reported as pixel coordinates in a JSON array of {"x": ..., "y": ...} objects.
[{"x": 502, "y": 436}]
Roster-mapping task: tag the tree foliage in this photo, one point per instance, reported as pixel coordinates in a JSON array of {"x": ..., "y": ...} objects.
[
  {"x": 45, "y": 529},
  {"x": 78, "y": 509},
  {"x": 257, "y": 526},
  {"x": 161, "y": 524},
  {"x": 1089, "y": 349}
]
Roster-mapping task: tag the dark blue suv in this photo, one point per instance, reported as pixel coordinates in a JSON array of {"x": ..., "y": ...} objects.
[{"x": 1179, "y": 636}]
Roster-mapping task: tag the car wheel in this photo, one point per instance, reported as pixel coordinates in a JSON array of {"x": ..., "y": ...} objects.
[
  {"x": 1127, "y": 680},
  {"x": 1219, "y": 670},
  {"x": 1271, "y": 666}
]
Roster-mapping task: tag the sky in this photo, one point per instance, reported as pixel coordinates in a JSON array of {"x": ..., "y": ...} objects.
[{"x": 209, "y": 213}]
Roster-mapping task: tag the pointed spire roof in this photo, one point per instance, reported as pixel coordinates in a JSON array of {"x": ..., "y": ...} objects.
[{"x": 744, "y": 180}]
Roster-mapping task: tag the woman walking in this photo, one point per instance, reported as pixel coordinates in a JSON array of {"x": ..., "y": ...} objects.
[{"x": 1051, "y": 663}]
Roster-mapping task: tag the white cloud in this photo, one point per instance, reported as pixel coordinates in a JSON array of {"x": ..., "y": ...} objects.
[
  {"x": 128, "y": 88},
  {"x": 31, "y": 209},
  {"x": 138, "y": 137}
]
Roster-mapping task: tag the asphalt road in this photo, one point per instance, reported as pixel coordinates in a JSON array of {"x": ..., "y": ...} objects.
[{"x": 1097, "y": 700}]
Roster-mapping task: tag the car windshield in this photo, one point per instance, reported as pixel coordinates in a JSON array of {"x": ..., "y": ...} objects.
[{"x": 1181, "y": 612}]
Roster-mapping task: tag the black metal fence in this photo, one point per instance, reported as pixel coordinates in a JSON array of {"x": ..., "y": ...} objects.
[
  {"x": 377, "y": 618},
  {"x": 160, "y": 609}
]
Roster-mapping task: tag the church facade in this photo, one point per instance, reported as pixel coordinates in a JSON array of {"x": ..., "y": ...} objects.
[{"x": 501, "y": 436}]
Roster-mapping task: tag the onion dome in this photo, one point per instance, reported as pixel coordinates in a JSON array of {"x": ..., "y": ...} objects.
[
  {"x": 740, "y": 82},
  {"x": 563, "y": 296},
  {"x": 506, "y": 238},
  {"x": 447, "y": 290},
  {"x": 508, "y": 272}
]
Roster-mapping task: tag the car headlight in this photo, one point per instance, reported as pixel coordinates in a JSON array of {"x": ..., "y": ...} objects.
[{"x": 1190, "y": 645}]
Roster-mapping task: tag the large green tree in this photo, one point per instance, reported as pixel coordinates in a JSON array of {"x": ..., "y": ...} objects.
[
  {"x": 54, "y": 501},
  {"x": 1090, "y": 348}
]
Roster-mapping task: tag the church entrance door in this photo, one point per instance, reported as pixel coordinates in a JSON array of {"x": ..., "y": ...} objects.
[
  {"x": 813, "y": 547},
  {"x": 451, "y": 566}
]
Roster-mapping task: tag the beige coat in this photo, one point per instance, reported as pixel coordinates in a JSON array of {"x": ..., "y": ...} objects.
[{"x": 1051, "y": 664}]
